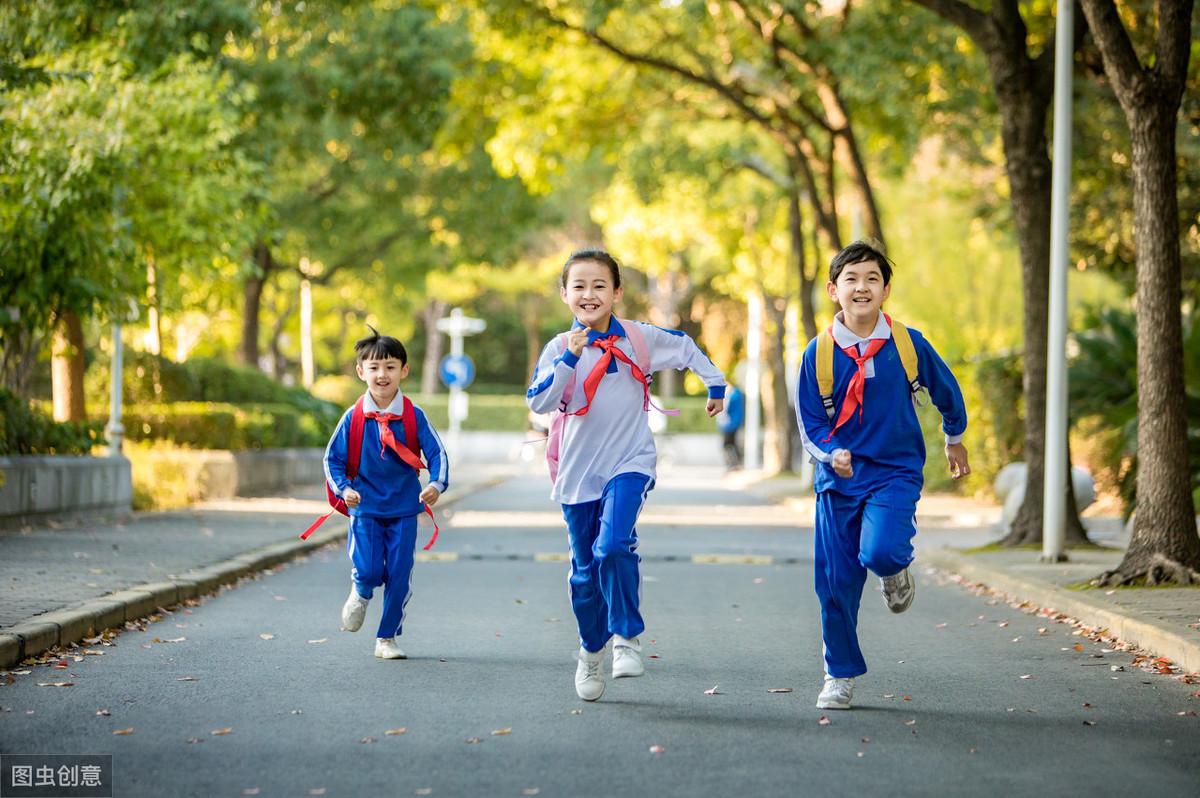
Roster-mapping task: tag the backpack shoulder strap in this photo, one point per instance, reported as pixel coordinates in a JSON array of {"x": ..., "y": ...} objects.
[
  {"x": 908, "y": 354},
  {"x": 825, "y": 369},
  {"x": 568, "y": 391},
  {"x": 409, "y": 419},
  {"x": 641, "y": 353},
  {"x": 358, "y": 421}
]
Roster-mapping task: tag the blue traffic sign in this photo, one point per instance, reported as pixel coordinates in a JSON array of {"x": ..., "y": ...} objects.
[{"x": 456, "y": 371}]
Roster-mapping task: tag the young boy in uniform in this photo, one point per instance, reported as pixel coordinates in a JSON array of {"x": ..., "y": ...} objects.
[
  {"x": 869, "y": 454},
  {"x": 385, "y": 495}
]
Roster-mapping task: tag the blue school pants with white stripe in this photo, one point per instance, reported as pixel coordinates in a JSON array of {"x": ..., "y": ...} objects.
[
  {"x": 605, "y": 583},
  {"x": 382, "y": 552},
  {"x": 853, "y": 534}
]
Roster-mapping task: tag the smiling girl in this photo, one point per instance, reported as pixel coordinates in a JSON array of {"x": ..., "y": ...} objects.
[{"x": 597, "y": 375}]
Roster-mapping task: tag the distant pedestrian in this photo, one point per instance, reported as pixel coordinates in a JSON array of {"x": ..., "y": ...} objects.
[
  {"x": 385, "y": 496},
  {"x": 729, "y": 424},
  {"x": 595, "y": 379},
  {"x": 859, "y": 384}
]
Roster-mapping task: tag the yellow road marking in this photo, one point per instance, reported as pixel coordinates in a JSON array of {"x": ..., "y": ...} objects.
[
  {"x": 437, "y": 556},
  {"x": 732, "y": 559}
]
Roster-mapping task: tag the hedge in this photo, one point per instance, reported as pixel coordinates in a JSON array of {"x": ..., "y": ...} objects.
[
  {"x": 25, "y": 430},
  {"x": 219, "y": 425}
]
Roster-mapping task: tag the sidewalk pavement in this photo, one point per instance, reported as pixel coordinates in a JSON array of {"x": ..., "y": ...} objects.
[
  {"x": 65, "y": 582},
  {"x": 1164, "y": 621}
]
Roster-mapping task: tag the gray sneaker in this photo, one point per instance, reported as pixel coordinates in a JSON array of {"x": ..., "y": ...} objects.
[
  {"x": 627, "y": 657},
  {"x": 898, "y": 591},
  {"x": 353, "y": 611},
  {"x": 836, "y": 693},
  {"x": 589, "y": 675}
]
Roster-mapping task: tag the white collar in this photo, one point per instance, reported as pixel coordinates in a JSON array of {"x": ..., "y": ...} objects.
[
  {"x": 395, "y": 408},
  {"x": 844, "y": 336}
]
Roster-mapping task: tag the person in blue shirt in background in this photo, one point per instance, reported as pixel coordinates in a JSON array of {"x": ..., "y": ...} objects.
[{"x": 729, "y": 423}]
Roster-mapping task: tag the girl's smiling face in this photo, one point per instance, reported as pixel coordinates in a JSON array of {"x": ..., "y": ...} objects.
[{"x": 590, "y": 294}]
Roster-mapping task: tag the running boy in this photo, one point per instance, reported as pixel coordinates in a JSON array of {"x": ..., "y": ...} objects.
[
  {"x": 597, "y": 377},
  {"x": 385, "y": 496},
  {"x": 864, "y": 436}
]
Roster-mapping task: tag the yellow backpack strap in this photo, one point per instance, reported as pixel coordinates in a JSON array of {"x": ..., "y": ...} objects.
[
  {"x": 825, "y": 369},
  {"x": 908, "y": 355}
]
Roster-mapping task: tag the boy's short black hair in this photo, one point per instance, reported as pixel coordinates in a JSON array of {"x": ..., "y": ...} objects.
[
  {"x": 859, "y": 251},
  {"x": 379, "y": 347},
  {"x": 597, "y": 255}
]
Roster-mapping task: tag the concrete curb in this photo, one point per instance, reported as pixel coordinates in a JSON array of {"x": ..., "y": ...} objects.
[
  {"x": 1153, "y": 637},
  {"x": 72, "y": 624}
]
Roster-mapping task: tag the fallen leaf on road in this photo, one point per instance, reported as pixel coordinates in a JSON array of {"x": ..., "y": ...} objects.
[
  {"x": 657, "y": 749},
  {"x": 194, "y": 740},
  {"x": 907, "y": 698},
  {"x": 22, "y": 673},
  {"x": 779, "y": 689},
  {"x": 56, "y": 684},
  {"x": 940, "y": 626},
  {"x": 317, "y": 791},
  {"x": 474, "y": 740},
  {"x": 424, "y": 791},
  {"x": 395, "y": 732},
  {"x": 531, "y": 791},
  {"x": 889, "y": 695},
  {"x": 368, "y": 740},
  {"x": 186, "y": 679},
  {"x": 280, "y": 598},
  {"x": 1003, "y": 624},
  {"x": 501, "y": 732},
  {"x": 266, "y": 636},
  {"x": 297, "y": 711},
  {"x": 655, "y": 656},
  {"x": 103, "y": 713},
  {"x": 1078, "y": 646},
  {"x": 1087, "y": 706},
  {"x": 123, "y": 731},
  {"x": 860, "y": 754},
  {"x": 1042, "y": 631},
  {"x": 866, "y": 739},
  {"x": 251, "y": 791},
  {"x": 319, "y": 642},
  {"x": 971, "y": 750},
  {"x": 712, "y": 690},
  {"x": 576, "y": 711},
  {"x": 221, "y": 732},
  {"x": 1189, "y": 713},
  {"x": 912, "y": 722},
  {"x": 823, "y": 720},
  {"x": 1089, "y": 723},
  {"x": 169, "y": 640},
  {"x": 1027, "y": 676}
]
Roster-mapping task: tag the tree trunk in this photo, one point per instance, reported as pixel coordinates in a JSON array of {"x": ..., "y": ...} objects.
[
  {"x": 808, "y": 312},
  {"x": 66, "y": 369},
  {"x": 1164, "y": 546},
  {"x": 777, "y": 439},
  {"x": 529, "y": 307},
  {"x": 434, "y": 309},
  {"x": 155, "y": 323},
  {"x": 252, "y": 306}
]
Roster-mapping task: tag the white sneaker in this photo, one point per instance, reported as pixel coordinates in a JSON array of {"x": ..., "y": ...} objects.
[
  {"x": 589, "y": 675},
  {"x": 898, "y": 591},
  {"x": 386, "y": 648},
  {"x": 836, "y": 693},
  {"x": 353, "y": 611},
  {"x": 627, "y": 657}
]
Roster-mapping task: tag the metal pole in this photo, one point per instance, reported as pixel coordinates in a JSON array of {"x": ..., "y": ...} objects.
[
  {"x": 1055, "y": 485},
  {"x": 753, "y": 388},
  {"x": 114, "y": 431}
]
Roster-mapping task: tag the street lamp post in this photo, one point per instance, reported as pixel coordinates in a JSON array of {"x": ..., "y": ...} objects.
[{"x": 1054, "y": 486}]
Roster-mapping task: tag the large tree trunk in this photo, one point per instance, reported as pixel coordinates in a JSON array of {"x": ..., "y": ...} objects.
[
  {"x": 667, "y": 290},
  {"x": 1024, "y": 89},
  {"x": 777, "y": 439},
  {"x": 66, "y": 369},
  {"x": 434, "y": 309},
  {"x": 529, "y": 306},
  {"x": 1164, "y": 546},
  {"x": 808, "y": 311},
  {"x": 252, "y": 305}
]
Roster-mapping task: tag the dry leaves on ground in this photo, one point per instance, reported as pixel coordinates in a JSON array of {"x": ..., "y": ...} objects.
[
  {"x": 120, "y": 732},
  {"x": 824, "y": 720},
  {"x": 502, "y": 732},
  {"x": 712, "y": 690},
  {"x": 779, "y": 689},
  {"x": 657, "y": 749},
  {"x": 395, "y": 732},
  {"x": 221, "y": 732}
]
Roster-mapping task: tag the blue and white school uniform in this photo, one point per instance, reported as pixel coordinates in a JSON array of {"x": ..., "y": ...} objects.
[
  {"x": 607, "y": 463},
  {"x": 867, "y": 521},
  {"x": 383, "y": 527}
]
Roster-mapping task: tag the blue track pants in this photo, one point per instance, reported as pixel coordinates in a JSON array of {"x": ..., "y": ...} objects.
[
  {"x": 854, "y": 534},
  {"x": 382, "y": 552},
  {"x": 605, "y": 584}
]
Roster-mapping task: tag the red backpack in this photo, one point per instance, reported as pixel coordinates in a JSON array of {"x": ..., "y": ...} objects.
[{"x": 411, "y": 455}]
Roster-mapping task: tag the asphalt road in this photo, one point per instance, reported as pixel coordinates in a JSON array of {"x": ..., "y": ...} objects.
[{"x": 966, "y": 695}]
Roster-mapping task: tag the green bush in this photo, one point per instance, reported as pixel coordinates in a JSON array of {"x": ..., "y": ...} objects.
[
  {"x": 28, "y": 431},
  {"x": 214, "y": 425}
]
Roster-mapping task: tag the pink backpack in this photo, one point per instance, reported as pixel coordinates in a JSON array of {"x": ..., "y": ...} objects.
[{"x": 641, "y": 354}]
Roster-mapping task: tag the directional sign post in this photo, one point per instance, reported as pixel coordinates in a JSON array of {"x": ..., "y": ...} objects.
[{"x": 456, "y": 370}]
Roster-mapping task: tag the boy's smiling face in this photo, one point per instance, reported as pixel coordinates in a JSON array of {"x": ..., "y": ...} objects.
[
  {"x": 383, "y": 378},
  {"x": 590, "y": 294},
  {"x": 861, "y": 291}
]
